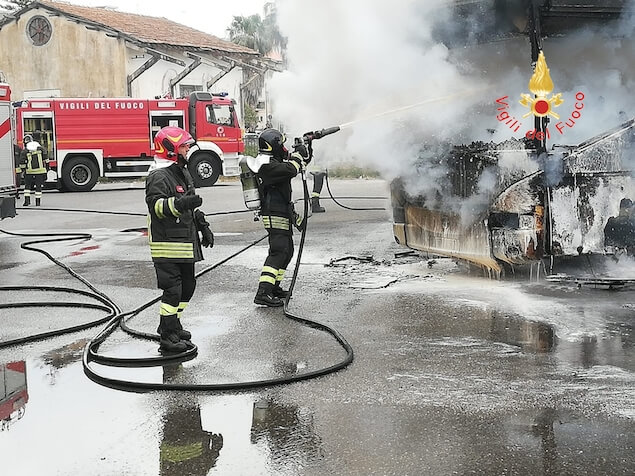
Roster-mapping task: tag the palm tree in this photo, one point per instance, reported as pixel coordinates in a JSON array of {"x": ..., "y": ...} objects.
[
  {"x": 260, "y": 35},
  {"x": 246, "y": 31},
  {"x": 256, "y": 33},
  {"x": 9, "y": 6}
]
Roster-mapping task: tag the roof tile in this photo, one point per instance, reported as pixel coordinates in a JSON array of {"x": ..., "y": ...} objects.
[{"x": 147, "y": 29}]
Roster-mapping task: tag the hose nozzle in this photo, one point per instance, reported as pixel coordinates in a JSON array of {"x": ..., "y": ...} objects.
[{"x": 313, "y": 135}]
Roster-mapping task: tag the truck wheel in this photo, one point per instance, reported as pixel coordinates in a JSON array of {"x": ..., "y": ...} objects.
[
  {"x": 80, "y": 174},
  {"x": 205, "y": 169}
]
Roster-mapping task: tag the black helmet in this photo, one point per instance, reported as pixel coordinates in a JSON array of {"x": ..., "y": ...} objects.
[
  {"x": 27, "y": 138},
  {"x": 271, "y": 142}
]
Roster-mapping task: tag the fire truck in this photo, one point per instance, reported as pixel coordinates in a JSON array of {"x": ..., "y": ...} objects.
[
  {"x": 14, "y": 394},
  {"x": 89, "y": 138},
  {"x": 8, "y": 184}
]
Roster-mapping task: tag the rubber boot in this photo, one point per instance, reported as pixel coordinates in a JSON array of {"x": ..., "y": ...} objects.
[
  {"x": 27, "y": 201},
  {"x": 183, "y": 334},
  {"x": 265, "y": 297},
  {"x": 169, "y": 338},
  {"x": 315, "y": 205},
  {"x": 279, "y": 292},
  {"x": 38, "y": 202}
]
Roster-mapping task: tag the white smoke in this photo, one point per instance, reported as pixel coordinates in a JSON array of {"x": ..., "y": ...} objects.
[
  {"x": 349, "y": 61},
  {"x": 352, "y": 61}
]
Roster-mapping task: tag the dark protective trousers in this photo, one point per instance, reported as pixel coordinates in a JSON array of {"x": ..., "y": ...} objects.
[
  {"x": 177, "y": 282},
  {"x": 34, "y": 182},
  {"x": 318, "y": 182},
  {"x": 279, "y": 257}
]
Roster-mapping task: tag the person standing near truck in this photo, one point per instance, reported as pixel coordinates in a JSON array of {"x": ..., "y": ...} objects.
[
  {"x": 34, "y": 165},
  {"x": 17, "y": 155},
  {"x": 173, "y": 232}
]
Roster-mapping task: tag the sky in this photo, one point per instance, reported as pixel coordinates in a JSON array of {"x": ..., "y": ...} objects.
[{"x": 210, "y": 16}]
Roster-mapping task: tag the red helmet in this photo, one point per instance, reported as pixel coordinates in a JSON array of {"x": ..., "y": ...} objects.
[{"x": 168, "y": 140}]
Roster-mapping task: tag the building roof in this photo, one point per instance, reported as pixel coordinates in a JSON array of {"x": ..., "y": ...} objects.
[{"x": 145, "y": 29}]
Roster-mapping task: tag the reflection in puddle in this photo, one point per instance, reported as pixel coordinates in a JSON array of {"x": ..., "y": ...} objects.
[
  {"x": 543, "y": 428},
  {"x": 13, "y": 393},
  {"x": 287, "y": 432},
  {"x": 186, "y": 448},
  {"x": 65, "y": 355},
  {"x": 468, "y": 319},
  {"x": 529, "y": 335}
]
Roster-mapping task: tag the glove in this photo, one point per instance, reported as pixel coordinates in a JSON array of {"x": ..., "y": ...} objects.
[
  {"x": 298, "y": 159},
  {"x": 208, "y": 237},
  {"x": 299, "y": 222},
  {"x": 203, "y": 226},
  {"x": 302, "y": 150},
  {"x": 188, "y": 202},
  {"x": 305, "y": 152}
]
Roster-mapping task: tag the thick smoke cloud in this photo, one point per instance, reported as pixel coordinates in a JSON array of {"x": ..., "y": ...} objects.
[{"x": 351, "y": 61}]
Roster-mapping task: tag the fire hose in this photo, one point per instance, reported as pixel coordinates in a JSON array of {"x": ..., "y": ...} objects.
[{"x": 117, "y": 318}]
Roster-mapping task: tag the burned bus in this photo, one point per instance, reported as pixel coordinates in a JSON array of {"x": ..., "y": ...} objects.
[{"x": 535, "y": 201}]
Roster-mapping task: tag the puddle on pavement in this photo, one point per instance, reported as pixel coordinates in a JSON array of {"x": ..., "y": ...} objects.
[
  {"x": 14, "y": 393},
  {"x": 265, "y": 433},
  {"x": 481, "y": 322},
  {"x": 248, "y": 431},
  {"x": 529, "y": 335},
  {"x": 611, "y": 343}
]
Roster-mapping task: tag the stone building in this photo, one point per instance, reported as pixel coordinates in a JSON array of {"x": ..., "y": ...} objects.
[{"x": 55, "y": 49}]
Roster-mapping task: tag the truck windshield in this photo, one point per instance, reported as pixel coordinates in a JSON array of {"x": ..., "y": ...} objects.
[{"x": 221, "y": 114}]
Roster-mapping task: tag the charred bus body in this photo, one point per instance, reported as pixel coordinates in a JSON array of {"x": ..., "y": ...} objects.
[
  {"x": 556, "y": 206},
  {"x": 551, "y": 210}
]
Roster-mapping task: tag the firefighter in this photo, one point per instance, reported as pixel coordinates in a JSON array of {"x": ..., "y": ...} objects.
[
  {"x": 619, "y": 231},
  {"x": 34, "y": 164},
  {"x": 17, "y": 154},
  {"x": 173, "y": 232},
  {"x": 275, "y": 168}
]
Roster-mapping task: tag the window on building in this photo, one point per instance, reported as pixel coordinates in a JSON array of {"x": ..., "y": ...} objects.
[
  {"x": 39, "y": 30},
  {"x": 186, "y": 89}
]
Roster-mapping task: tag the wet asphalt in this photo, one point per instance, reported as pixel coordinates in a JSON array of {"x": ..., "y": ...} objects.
[{"x": 453, "y": 373}]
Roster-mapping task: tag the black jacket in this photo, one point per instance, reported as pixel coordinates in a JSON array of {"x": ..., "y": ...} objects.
[
  {"x": 172, "y": 232},
  {"x": 276, "y": 178}
]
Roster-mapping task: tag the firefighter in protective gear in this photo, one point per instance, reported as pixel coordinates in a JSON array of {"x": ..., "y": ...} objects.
[
  {"x": 34, "y": 163},
  {"x": 174, "y": 224},
  {"x": 619, "y": 231},
  {"x": 275, "y": 168}
]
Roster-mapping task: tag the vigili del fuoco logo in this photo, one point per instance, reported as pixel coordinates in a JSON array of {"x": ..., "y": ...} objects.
[{"x": 541, "y": 104}]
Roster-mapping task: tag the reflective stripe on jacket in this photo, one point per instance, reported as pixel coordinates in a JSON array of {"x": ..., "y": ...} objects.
[
  {"x": 172, "y": 234},
  {"x": 33, "y": 162},
  {"x": 277, "y": 207}
]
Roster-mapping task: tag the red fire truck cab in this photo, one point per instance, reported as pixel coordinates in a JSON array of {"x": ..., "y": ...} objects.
[
  {"x": 88, "y": 138},
  {"x": 8, "y": 186}
]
